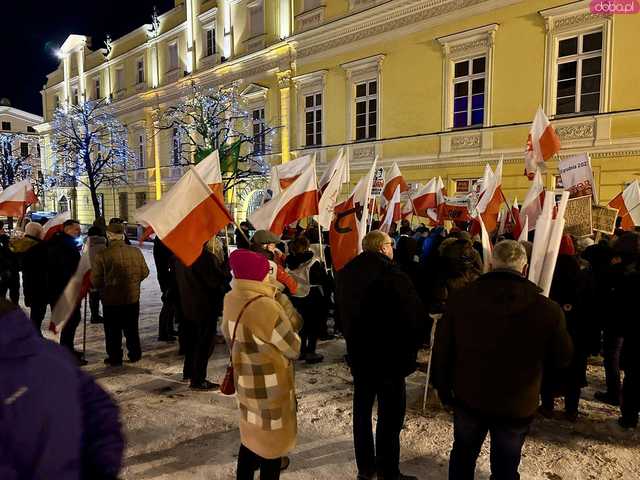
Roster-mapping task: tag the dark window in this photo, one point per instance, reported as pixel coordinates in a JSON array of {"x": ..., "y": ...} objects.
[
  {"x": 24, "y": 149},
  {"x": 313, "y": 119},
  {"x": 210, "y": 38},
  {"x": 123, "y": 201},
  {"x": 141, "y": 199},
  {"x": 469, "y": 91},
  {"x": 258, "y": 130},
  {"x": 367, "y": 110},
  {"x": 579, "y": 74},
  {"x": 177, "y": 147},
  {"x": 6, "y": 125},
  {"x": 31, "y": 130}
]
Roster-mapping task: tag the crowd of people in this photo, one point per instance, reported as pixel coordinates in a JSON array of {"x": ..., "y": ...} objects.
[{"x": 502, "y": 352}]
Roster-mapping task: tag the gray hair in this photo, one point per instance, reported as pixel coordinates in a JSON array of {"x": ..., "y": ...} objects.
[
  {"x": 115, "y": 236},
  {"x": 510, "y": 255}
]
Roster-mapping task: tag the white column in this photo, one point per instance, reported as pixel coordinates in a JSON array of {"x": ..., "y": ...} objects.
[
  {"x": 66, "y": 63},
  {"x": 191, "y": 49},
  {"x": 285, "y": 19},
  {"x": 82, "y": 87}
]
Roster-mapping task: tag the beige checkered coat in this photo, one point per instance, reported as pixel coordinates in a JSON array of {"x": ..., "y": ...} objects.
[{"x": 266, "y": 345}]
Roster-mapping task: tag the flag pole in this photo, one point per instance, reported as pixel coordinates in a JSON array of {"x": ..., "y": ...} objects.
[{"x": 84, "y": 329}]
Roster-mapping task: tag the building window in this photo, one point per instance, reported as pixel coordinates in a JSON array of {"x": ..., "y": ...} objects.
[
  {"x": 313, "y": 119},
  {"x": 579, "y": 73},
  {"x": 258, "y": 130},
  {"x": 256, "y": 20},
  {"x": 367, "y": 110},
  {"x": 210, "y": 41},
  {"x": 38, "y": 149},
  {"x": 123, "y": 200},
  {"x": 173, "y": 56},
  {"x": 56, "y": 102},
  {"x": 119, "y": 79},
  {"x": 141, "y": 199},
  {"x": 24, "y": 149},
  {"x": 6, "y": 125},
  {"x": 75, "y": 96},
  {"x": 176, "y": 142},
  {"x": 141, "y": 150},
  {"x": 140, "y": 70},
  {"x": 30, "y": 129},
  {"x": 469, "y": 92},
  {"x": 96, "y": 89}
]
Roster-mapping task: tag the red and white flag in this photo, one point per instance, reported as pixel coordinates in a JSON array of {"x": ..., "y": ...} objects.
[
  {"x": 628, "y": 205},
  {"x": 524, "y": 231},
  {"x": 407, "y": 209},
  {"x": 331, "y": 190},
  {"x": 394, "y": 179},
  {"x": 542, "y": 144},
  {"x": 77, "y": 288},
  {"x": 15, "y": 199},
  {"x": 298, "y": 200},
  {"x": 429, "y": 196},
  {"x": 187, "y": 216},
  {"x": 54, "y": 225},
  {"x": 333, "y": 168},
  {"x": 209, "y": 171},
  {"x": 350, "y": 223},
  {"x": 488, "y": 206},
  {"x": 394, "y": 211},
  {"x": 486, "y": 246},
  {"x": 455, "y": 209},
  {"x": 283, "y": 175},
  {"x": 533, "y": 202}
]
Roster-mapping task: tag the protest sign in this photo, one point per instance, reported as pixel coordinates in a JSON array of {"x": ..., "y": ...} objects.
[
  {"x": 604, "y": 219},
  {"x": 577, "y": 176},
  {"x": 578, "y": 216}
]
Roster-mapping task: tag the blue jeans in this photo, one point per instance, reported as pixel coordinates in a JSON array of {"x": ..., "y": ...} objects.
[{"x": 469, "y": 432}]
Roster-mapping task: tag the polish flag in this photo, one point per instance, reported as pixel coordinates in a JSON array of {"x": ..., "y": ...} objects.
[
  {"x": 514, "y": 219},
  {"x": 187, "y": 216},
  {"x": 209, "y": 171},
  {"x": 299, "y": 200},
  {"x": 542, "y": 144},
  {"x": 15, "y": 199},
  {"x": 77, "y": 288},
  {"x": 395, "y": 179},
  {"x": 533, "y": 202},
  {"x": 54, "y": 225},
  {"x": 454, "y": 209},
  {"x": 628, "y": 205},
  {"x": 283, "y": 175},
  {"x": 407, "y": 209},
  {"x": 429, "y": 196},
  {"x": 524, "y": 231},
  {"x": 331, "y": 190},
  {"x": 394, "y": 211},
  {"x": 486, "y": 246},
  {"x": 489, "y": 204},
  {"x": 333, "y": 168},
  {"x": 350, "y": 223}
]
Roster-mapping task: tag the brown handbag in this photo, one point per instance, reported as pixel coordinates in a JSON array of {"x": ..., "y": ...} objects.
[{"x": 228, "y": 386}]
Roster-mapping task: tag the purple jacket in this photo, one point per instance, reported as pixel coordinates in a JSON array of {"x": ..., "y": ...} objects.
[{"x": 55, "y": 421}]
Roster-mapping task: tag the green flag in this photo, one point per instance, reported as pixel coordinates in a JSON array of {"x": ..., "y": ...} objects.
[{"x": 229, "y": 155}]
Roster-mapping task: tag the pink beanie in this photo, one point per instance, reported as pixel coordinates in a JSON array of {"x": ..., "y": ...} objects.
[{"x": 248, "y": 265}]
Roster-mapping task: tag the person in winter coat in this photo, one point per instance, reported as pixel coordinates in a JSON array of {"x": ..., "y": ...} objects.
[
  {"x": 97, "y": 242},
  {"x": 310, "y": 301},
  {"x": 34, "y": 279},
  {"x": 9, "y": 271},
  {"x": 63, "y": 256},
  {"x": 165, "y": 268},
  {"x": 489, "y": 352},
  {"x": 33, "y": 234},
  {"x": 384, "y": 325},
  {"x": 572, "y": 290},
  {"x": 265, "y": 326},
  {"x": 117, "y": 272},
  {"x": 264, "y": 242},
  {"x": 202, "y": 287},
  {"x": 56, "y": 422}
]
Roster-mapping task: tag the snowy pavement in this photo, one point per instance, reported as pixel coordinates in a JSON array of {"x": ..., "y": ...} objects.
[{"x": 175, "y": 433}]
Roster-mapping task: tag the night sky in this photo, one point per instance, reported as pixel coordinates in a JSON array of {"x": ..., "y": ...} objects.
[{"x": 32, "y": 29}]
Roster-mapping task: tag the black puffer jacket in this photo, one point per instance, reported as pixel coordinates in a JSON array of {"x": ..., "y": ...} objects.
[
  {"x": 383, "y": 319},
  {"x": 493, "y": 342}
]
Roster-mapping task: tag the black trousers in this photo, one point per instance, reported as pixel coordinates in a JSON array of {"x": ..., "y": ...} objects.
[
  {"x": 37, "y": 313},
  {"x": 94, "y": 305},
  {"x": 13, "y": 286},
  {"x": 310, "y": 326},
  {"x": 198, "y": 344},
  {"x": 469, "y": 432},
  {"x": 68, "y": 334},
  {"x": 167, "y": 313},
  {"x": 384, "y": 458},
  {"x": 630, "y": 406},
  {"x": 612, "y": 350},
  {"x": 249, "y": 462},
  {"x": 571, "y": 399},
  {"x": 119, "y": 320}
]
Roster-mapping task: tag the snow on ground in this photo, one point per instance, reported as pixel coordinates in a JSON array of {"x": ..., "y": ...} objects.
[{"x": 175, "y": 433}]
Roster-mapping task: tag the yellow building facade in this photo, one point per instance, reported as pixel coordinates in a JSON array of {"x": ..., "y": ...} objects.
[{"x": 441, "y": 87}]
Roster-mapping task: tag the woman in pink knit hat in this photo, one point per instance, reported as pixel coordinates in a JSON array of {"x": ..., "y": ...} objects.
[{"x": 265, "y": 346}]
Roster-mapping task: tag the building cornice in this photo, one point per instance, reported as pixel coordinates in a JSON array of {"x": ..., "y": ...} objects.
[{"x": 20, "y": 114}]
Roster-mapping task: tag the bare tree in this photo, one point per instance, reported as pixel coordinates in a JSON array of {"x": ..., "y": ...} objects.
[
  {"x": 207, "y": 119},
  {"x": 16, "y": 158},
  {"x": 91, "y": 148}
]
